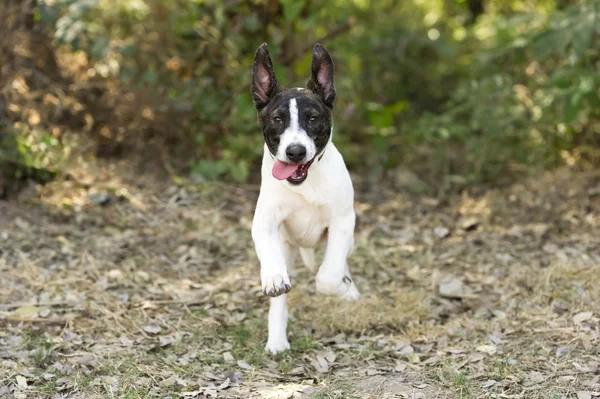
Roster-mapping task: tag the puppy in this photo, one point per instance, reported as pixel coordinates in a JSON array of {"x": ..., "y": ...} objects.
[{"x": 306, "y": 194}]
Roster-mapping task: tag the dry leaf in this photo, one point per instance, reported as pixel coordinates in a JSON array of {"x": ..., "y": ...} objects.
[
  {"x": 224, "y": 385},
  {"x": 455, "y": 288},
  {"x": 469, "y": 224},
  {"x": 535, "y": 377},
  {"x": 21, "y": 381},
  {"x": 488, "y": 384},
  {"x": 584, "y": 395},
  {"x": 151, "y": 329},
  {"x": 562, "y": 351},
  {"x": 581, "y": 317},
  {"x": 441, "y": 232},
  {"x": 487, "y": 349},
  {"x": 228, "y": 357},
  {"x": 191, "y": 394},
  {"x": 475, "y": 357},
  {"x": 27, "y": 312},
  {"x": 370, "y": 372},
  {"x": 166, "y": 340},
  {"x": 400, "y": 367},
  {"x": 243, "y": 365},
  {"x": 321, "y": 364},
  {"x": 330, "y": 357}
]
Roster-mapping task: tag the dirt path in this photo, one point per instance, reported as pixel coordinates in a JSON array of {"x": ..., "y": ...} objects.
[{"x": 156, "y": 294}]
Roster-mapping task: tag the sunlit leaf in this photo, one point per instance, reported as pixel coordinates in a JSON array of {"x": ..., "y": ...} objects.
[{"x": 292, "y": 8}]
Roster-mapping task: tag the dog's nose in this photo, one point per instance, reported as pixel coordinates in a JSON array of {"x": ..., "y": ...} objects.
[{"x": 296, "y": 153}]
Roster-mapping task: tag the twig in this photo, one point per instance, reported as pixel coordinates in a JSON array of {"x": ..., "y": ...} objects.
[
  {"x": 53, "y": 320},
  {"x": 8, "y": 306},
  {"x": 338, "y": 30}
]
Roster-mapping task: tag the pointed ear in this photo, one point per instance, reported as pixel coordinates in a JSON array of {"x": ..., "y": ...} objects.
[
  {"x": 321, "y": 81},
  {"x": 264, "y": 82}
]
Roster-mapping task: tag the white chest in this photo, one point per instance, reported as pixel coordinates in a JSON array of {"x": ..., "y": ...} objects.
[{"x": 306, "y": 225}]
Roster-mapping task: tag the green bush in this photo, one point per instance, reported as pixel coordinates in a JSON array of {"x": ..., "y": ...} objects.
[{"x": 442, "y": 86}]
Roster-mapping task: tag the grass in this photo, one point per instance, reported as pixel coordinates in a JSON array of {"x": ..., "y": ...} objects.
[{"x": 158, "y": 303}]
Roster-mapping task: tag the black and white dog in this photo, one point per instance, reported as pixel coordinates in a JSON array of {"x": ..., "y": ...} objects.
[{"x": 306, "y": 192}]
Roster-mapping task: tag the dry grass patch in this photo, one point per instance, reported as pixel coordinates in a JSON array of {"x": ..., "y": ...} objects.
[{"x": 374, "y": 312}]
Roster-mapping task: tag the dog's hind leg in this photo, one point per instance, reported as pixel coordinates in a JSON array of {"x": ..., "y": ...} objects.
[
  {"x": 308, "y": 258},
  {"x": 334, "y": 277},
  {"x": 277, "y": 341}
]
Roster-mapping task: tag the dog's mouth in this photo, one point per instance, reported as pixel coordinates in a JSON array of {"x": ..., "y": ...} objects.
[{"x": 294, "y": 173}]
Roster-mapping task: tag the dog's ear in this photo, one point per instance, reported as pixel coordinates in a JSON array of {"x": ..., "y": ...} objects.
[
  {"x": 321, "y": 81},
  {"x": 264, "y": 82}
]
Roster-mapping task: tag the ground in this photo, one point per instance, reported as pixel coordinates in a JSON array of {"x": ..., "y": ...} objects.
[{"x": 116, "y": 288}]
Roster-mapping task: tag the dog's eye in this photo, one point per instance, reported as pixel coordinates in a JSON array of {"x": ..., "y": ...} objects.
[
  {"x": 277, "y": 119},
  {"x": 312, "y": 119}
]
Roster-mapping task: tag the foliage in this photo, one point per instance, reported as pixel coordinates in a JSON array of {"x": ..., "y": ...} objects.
[{"x": 443, "y": 86}]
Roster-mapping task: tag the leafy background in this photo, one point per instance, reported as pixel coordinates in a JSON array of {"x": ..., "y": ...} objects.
[{"x": 460, "y": 92}]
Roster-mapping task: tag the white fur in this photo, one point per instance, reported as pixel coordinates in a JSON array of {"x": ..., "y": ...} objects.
[
  {"x": 294, "y": 134},
  {"x": 289, "y": 217}
]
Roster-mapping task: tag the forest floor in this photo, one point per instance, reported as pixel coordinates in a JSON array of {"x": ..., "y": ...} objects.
[{"x": 133, "y": 289}]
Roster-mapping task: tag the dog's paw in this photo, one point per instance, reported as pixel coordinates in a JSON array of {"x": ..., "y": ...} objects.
[
  {"x": 352, "y": 294},
  {"x": 276, "y": 284},
  {"x": 330, "y": 284},
  {"x": 276, "y": 346},
  {"x": 333, "y": 285}
]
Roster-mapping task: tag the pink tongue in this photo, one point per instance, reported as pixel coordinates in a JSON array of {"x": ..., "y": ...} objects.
[{"x": 282, "y": 171}]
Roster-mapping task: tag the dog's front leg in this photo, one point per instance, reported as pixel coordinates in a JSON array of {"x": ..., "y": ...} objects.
[
  {"x": 267, "y": 243},
  {"x": 334, "y": 275},
  {"x": 277, "y": 341}
]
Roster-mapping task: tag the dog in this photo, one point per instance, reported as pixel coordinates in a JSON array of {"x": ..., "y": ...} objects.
[{"x": 306, "y": 194}]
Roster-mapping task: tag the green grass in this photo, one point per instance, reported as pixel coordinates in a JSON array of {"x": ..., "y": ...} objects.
[{"x": 342, "y": 391}]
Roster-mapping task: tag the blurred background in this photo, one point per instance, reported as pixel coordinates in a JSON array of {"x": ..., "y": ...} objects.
[{"x": 442, "y": 93}]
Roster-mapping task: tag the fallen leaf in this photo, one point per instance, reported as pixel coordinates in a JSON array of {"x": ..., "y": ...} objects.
[
  {"x": 151, "y": 329},
  {"x": 166, "y": 340},
  {"x": 469, "y": 224},
  {"x": 488, "y": 384},
  {"x": 86, "y": 359},
  {"x": 581, "y": 317},
  {"x": 224, "y": 385},
  {"x": 182, "y": 382},
  {"x": 126, "y": 341},
  {"x": 475, "y": 357},
  {"x": 432, "y": 360},
  {"x": 21, "y": 381},
  {"x": 228, "y": 357},
  {"x": 455, "y": 288},
  {"x": 487, "y": 349},
  {"x": 441, "y": 232},
  {"x": 297, "y": 371},
  {"x": 535, "y": 377},
  {"x": 330, "y": 357},
  {"x": 584, "y": 395},
  {"x": 407, "y": 350},
  {"x": 243, "y": 365},
  {"x": 167, "y": 382},
  {"x": 27, "y": 312},
  {"x": 400, "y": 367},
  {"x": 562, "y": 351},
  {"x": 99, "y": 198},
  {"x": 191, "y": 394},
  {"x": 321, "y": 364}
]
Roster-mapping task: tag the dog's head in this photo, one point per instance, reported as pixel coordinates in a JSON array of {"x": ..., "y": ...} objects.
[{"x": 296, "y": 123}]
